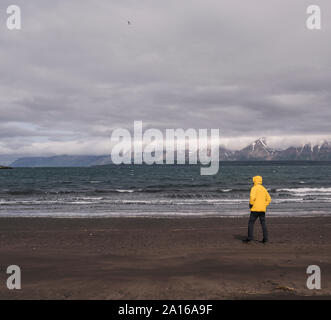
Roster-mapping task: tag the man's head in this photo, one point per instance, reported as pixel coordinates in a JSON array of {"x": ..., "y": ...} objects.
[{"x": 257, "y": 180}]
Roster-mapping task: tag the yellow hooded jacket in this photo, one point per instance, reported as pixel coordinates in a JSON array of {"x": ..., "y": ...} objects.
[{"x": 259, "y": 197}]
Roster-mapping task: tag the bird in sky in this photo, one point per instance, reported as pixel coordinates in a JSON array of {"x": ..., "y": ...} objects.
[{"x": 129, "y": 23}]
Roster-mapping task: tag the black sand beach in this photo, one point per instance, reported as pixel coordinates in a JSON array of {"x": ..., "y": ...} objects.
[{"x": 163, "y": 258}]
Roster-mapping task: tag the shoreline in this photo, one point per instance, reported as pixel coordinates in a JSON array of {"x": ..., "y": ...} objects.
[
  {"x": 166, "y": 216},
  {"x": 164, "y": 258}
]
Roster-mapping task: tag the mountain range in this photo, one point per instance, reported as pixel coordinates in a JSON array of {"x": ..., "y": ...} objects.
[{"x": 257, "y": 150}]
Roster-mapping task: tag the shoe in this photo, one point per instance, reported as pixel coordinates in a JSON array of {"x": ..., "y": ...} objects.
[
  {"x": 264, "y": 241},
  {"x": 247, "y": 241}
]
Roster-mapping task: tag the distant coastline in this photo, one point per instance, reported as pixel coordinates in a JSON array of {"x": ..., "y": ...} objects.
[
  {"x": 256, "y": 151},
  {"x": 5, "y": 167},
  {"x": 81, "y": 163}
]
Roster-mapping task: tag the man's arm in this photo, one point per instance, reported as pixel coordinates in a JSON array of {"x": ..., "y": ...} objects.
[
  {"x": 268, "y": 198},
  {"x": 252, "y": 197}
]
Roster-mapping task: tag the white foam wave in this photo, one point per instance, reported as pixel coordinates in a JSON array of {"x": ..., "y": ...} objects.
[
  {"x": 155, "y": 202},
  {"x": 306, "y": 191}
]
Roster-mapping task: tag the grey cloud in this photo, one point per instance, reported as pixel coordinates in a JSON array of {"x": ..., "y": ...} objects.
[{"x": 78, "y": 70}]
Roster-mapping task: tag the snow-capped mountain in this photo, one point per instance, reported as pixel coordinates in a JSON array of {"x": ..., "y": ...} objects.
[
  {"x": 306, "y": 152},
  {"x": 257, "y": 150}
]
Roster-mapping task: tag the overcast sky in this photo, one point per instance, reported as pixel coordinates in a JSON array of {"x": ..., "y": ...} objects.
[{"x": 77, "y": 70}]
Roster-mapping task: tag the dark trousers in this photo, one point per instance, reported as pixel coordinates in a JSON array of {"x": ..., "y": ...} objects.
[{"x": 254, "y": 215}]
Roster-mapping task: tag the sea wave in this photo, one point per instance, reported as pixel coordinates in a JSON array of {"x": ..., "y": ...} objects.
[
  {"x": 125, "y": 190},
  {"x": 306, "y": 191},
  {"x": 87, "y": 200},
  {"x": 153, "y": 202}
]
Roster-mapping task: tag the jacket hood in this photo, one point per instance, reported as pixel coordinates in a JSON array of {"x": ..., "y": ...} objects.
[{"x": 257, "y": 180}]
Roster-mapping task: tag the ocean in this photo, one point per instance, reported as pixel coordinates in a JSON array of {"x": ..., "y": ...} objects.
[{"x": 297, "y": 189}]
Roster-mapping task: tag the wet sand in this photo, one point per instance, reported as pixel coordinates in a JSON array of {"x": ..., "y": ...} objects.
[{"x": 163, "y": 258}]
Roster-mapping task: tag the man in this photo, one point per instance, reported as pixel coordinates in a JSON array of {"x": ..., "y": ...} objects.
[{"x": 259, "y": 200}]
